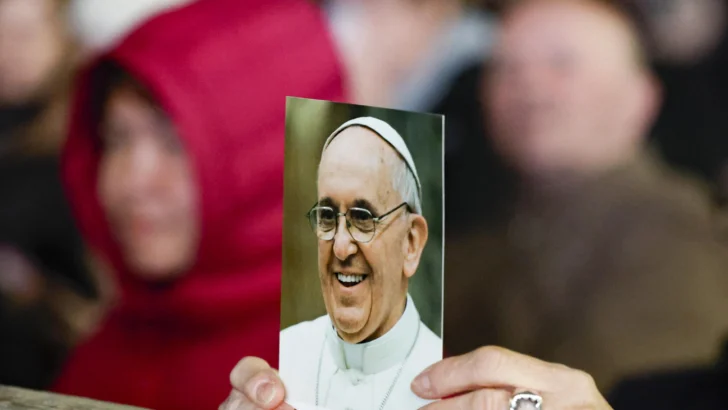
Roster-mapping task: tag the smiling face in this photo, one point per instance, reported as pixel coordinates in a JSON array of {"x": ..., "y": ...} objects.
[{"x": 364, "y": 285}]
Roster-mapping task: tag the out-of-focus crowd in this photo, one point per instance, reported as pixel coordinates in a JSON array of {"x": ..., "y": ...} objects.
[{"x": 141, "y": 171}]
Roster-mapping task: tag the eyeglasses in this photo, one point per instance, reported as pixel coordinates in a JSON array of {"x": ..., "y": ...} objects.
[{"x": 360, "y": 222}]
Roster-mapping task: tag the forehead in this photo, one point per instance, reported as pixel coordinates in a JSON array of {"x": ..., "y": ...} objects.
[
  {"x": 578, "y": 26},
  {"x": 357, "y": 166},
  {"x": 124, "y": 103},
  {"x": 24, "y": 11}
]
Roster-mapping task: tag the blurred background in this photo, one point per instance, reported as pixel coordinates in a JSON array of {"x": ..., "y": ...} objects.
[
  {"x": 308, "y": 124},
  {"x": 505, "y": 250}
]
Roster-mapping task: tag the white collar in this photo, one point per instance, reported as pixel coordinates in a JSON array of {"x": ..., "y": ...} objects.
[{"x": 379, "y": 354}]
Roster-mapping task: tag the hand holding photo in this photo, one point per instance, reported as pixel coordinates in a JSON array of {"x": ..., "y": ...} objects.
[{"x": 362, "y": 319}]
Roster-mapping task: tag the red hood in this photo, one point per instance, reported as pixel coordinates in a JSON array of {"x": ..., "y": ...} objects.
[{"x": 221, "y": 69}]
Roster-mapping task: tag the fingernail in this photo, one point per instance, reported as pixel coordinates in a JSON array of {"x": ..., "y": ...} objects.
[
  {"x": 422, "y": 384},
  {"x": 265, "y": 393}
]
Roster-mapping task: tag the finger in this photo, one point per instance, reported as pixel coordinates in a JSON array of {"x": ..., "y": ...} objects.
[
  {"x": 258, "y": 383},
  {"x": 488, "y": 367},
  {"x": 238, "y": 401},
  {"x": 483, "y": 399},
  {"x": 265, "y": 390},
  {"x": 245, "y": 370}
]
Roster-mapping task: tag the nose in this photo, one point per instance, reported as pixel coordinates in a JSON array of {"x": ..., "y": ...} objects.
[
  {"x": 344, "y": 245},
  {"x": 140, "y": 170},
  {"x": 520, "y": 74}
]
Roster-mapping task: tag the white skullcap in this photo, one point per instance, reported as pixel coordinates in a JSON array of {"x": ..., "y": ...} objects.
[
  {"x": 100, "y": 24},
  {"x": 388, "y": 134}
]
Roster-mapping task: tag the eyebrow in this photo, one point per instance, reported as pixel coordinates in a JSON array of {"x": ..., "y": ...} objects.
[
  {"x": 108, "y": 130},
  {"x": 327, "y": 201},
  {"x": 357, "y": 203},
  {"x": 363, "y": 203}
]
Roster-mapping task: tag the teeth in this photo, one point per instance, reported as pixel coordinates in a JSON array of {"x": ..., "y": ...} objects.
[{"x": 350, "y": 278}]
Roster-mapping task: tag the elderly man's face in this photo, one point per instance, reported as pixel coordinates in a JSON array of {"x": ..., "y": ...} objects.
[
  {"x": 355, "y": 171},
  {"x": 566, "y": 92}
]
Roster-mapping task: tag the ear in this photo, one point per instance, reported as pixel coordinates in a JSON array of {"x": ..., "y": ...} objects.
[
  {"x": 648, "y": 98},
  {"x": 414, "y": 244},
  {"x": 654, "y": 92}
]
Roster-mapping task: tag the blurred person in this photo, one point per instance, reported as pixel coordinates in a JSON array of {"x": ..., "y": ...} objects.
[
  {"x": 688, "y": 46},
  {"x": 608, "y": 260},
  {"x": 174, "y": 168},
  {"x": 430, "y": 58},
  {"x": 681, "y": 31},
  {"x": 372, "y": 342},
  {"x": 36, "y": 63},
  {"x": 99, "y": 26},
  {"x": 47, "y": 290},
  {"x": 421, "y": 48}
]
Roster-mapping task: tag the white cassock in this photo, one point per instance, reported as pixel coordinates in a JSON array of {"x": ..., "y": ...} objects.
[{"x": 317, "y": 365}]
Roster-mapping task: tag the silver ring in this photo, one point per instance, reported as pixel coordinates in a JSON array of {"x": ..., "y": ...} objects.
[{"x": 519, "y": 399}]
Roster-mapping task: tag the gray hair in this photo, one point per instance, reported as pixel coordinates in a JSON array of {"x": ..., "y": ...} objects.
[{"x": 403, "y": 181}]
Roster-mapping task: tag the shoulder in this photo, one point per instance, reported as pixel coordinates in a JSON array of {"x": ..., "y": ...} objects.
[
  {"x": 660, "y": 191},
  {"x": 428, "y": 350},
  {"x": 662, "y": 214},
  {"x": 429, "y": 341}
]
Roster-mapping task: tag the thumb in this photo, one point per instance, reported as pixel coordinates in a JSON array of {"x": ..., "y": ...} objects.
[
  {"x": 256, "y": 386},
  {"x": 265, "y": 390}
]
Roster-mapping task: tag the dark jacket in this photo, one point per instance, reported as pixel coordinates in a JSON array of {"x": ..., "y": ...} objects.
[
  {"x": 36, "y": 225},
  {"x": 37, "y": 228},
  {"x": 614, "y": 275},
  {"x": 694, "y": 389}
]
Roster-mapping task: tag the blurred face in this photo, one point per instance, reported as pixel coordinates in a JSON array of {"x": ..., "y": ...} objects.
[
  {"x": 364, "y": 285},
  {"x": 31, "y": 47},
  {"x": 683, "y": 31},
  {"x": 146, "y": 188},
  {"x": 566, "y": 93}
]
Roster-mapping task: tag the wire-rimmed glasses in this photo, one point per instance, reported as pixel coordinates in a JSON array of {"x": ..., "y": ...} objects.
[{"x": 360, "y": 222}]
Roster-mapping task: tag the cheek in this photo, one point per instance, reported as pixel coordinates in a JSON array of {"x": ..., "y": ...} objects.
[
  {"x": 183, "y": 192},
  {"x": 499, "y": 103},
  {"x": 108, "y": 188},
  {"x": 586, "y": 95},
  {"x": 598, "y": 106},
  {"x": 183, "y": 199},
  {"x": 324, "y": 253},
  {"x": 387, "y": 260},
  {"x": 500, "y": 113}
]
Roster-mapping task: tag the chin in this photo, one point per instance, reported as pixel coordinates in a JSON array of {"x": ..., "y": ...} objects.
[
  {"x": 352, "y": 328},
  {"x": 154, "y": 267},
  {"x": 352, "y": 338}
]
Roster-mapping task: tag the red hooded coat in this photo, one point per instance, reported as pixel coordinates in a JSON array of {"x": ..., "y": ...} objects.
[{"x": 221, "y": 69}]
